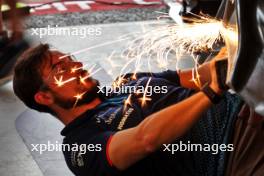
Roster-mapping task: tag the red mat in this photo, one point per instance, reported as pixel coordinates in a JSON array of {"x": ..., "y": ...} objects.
[{"x": 82, "y": 6}]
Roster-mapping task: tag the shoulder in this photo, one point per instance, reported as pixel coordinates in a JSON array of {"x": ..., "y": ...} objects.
[{"x": 87, "y": 154}]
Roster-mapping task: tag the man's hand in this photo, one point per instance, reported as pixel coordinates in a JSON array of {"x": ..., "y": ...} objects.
[
  {"x": 215, "y": 76},
  {"x": 207, "y": 73}
]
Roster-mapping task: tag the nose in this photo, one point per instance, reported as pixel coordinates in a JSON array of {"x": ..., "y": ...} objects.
[
  {"x": 76, "y": 67},
  {"x": 77, "y": 64}
]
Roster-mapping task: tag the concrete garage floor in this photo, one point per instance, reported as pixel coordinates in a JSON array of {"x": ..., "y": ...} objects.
[{"x": 15, "y": 159}]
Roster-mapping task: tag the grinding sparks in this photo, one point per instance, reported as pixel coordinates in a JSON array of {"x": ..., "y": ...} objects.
[
  {"x": 92, "y": 73},
  {"x": 196, "y": 78},
  {"x": 157, "y": 47},
  {"x": 127, "y": 102},
  {"x": 93, "y": 47},
  {"x": 120, "y": 80},
  {"x": 109, "y": 59},
  {"x": 59, "y": 82},
  {"x": 230, "y": 33},
  {"x": 144, "y": 99},
  {"x": 134, "y": 76},
  {"x": 82, "y": 79},
  {"x": 78, "y": 97},
  {"x": 91, "y": 69},
  {"x": 200, "y": 35},
  {"x": 75, "y": 68}
]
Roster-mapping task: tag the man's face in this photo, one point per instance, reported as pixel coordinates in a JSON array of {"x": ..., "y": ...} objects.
[{"x": 67, "y": 81}]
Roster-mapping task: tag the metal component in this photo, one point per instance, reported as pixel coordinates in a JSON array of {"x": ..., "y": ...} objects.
[{"x": 246, "y": 68}]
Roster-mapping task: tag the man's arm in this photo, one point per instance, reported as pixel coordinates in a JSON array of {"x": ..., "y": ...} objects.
[
  {"x": 186, "y": 76},
  {"x": 131, "y": 145}
]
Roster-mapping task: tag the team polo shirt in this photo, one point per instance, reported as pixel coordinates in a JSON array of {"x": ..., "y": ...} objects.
[
  {"x": 89, "y": 135},
  {"x": 92, "y": 131}
]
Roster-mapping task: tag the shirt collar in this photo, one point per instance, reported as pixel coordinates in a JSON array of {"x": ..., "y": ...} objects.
[{"x": 86, "y": 116}]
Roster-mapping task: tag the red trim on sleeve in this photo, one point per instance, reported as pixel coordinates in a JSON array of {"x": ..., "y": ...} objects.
[{"x": 107, "y": 153}]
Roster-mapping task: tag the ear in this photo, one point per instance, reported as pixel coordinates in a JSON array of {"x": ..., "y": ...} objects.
[{"x": 43, "y": 98}]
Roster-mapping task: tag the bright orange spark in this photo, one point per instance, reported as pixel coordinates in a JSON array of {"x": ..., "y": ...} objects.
[
  {"x": 75, "y": 68},
  {"x": 82, "y": 79},
  {"x": 144, "y": 99},
  {"x": 93, "y": 47},
  {"x": 109, "y": 59},
  {"x": 119, "y": 81},
  {"x": 196, "y": 77},
  {"x": 127, "y": 102},
  {"x": 59, "y": 82},
  {"x": 231, "y": 33},
  {"x": 91, "y": 69},
  {"x": 78, "y": 97},
  {"x": 134, "y": 76}
]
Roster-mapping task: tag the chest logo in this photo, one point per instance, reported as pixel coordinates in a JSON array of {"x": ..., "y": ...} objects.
[{"x": 124, "y": 118}]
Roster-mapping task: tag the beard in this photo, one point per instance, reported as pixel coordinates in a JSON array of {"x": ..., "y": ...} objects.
[{"x": 90, "y": 95}]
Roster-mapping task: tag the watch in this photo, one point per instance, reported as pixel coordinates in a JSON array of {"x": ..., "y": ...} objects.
[{"x": 211, "y": 94}]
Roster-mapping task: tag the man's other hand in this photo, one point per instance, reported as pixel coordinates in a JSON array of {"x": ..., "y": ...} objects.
[{"x": 215, "y": 83}]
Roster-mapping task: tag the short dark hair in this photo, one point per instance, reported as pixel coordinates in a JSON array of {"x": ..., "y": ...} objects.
[{"x": 27, "y": 79}]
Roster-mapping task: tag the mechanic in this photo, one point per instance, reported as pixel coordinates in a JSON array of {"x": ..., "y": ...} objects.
[{"x": 130, "y": 135}]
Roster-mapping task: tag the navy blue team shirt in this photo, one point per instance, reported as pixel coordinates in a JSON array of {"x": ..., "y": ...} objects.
[{"x": 96, "y": 127}]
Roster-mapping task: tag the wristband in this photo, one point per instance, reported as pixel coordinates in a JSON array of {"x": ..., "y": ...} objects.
[{"x": 211, "y": 94}]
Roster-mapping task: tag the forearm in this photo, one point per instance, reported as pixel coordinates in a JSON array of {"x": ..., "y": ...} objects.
[
  {"x": 187, "y": 77},
  {"x": 167, "y": 125}
]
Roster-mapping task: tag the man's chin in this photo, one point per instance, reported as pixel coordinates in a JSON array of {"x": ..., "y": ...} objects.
[
  {"x": 88, "y": 86},
  {"x": 88, "y": 97},
  {"x": 90, "y": 92}
]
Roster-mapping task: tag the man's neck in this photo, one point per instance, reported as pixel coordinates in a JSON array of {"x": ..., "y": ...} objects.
[{"x": 67, "y": 116}]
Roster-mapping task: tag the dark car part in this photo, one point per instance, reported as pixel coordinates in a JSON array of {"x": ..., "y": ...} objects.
[
  {"x": 244, "y": 20},
  {"x": 209, "y": 7},
  {"x": 221, "y": 70}
]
